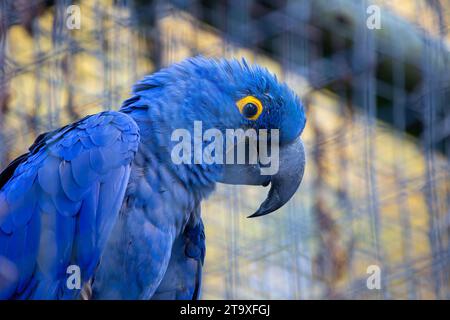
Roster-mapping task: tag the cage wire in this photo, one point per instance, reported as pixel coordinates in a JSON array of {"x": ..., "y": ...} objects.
[{"x": 376, "y": 190}]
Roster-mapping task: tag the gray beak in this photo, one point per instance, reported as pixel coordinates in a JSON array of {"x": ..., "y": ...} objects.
[{"x": 284, "y": 183}]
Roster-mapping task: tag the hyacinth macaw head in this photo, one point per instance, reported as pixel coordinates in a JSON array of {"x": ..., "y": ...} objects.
[{"x": 225, "y": 94}]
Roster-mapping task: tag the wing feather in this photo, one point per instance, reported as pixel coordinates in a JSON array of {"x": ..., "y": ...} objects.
[{"x": 58, "y": 203}]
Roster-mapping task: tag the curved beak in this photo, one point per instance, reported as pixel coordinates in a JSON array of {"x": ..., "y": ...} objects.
[{"x": 284, "y": 183}]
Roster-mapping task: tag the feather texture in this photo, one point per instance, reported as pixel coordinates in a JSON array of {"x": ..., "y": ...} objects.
[{"x": 62, "y": 203}]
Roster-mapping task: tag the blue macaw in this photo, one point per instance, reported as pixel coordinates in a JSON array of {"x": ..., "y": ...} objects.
[{"x": 104, "y": 194}]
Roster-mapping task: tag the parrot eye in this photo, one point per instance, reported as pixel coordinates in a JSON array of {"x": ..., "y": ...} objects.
[
  {"x": 249, "y": 110},
  {"x": 250, "y": 107}
]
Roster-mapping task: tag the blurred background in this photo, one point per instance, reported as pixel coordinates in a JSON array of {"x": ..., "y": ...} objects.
[{"x": 374, "y": 77}]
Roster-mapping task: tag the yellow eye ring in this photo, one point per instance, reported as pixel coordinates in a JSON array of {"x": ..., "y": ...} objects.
[{"x": 250, "y": 107}]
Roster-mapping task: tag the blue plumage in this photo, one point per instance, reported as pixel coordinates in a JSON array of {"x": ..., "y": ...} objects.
[
  {"x": 103, "y": 194},
  {"x": 46, "y": 200}
]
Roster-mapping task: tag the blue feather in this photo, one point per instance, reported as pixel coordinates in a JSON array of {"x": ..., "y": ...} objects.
[
  {"x": 82, "y": 176},
  {"x": 85, "y": 241},
  {"x": 48, "y": 176},
  {"x": 71, "y": 189},
  {"x": 50, "y": 203}
]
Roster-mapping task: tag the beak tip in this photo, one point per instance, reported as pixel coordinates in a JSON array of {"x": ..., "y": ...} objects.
[{"x": 260, "y": 212}]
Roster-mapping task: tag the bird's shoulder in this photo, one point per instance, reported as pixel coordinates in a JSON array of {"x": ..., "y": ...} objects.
[{"x": 99, "y": 130}]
